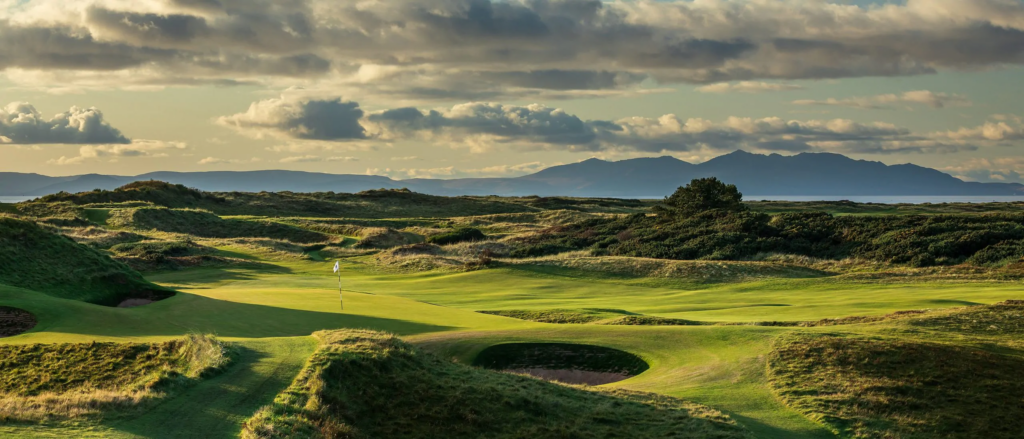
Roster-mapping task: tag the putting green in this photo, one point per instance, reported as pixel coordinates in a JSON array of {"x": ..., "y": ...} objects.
[{"x": 271, "y": 311}]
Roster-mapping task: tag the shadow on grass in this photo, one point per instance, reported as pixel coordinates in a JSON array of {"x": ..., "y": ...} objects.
[
  {"x": 199, "y": 278},
  {"x": 188, "y": 312},
  {"x": 216, "y": 407},
  {"x": 762, "y": 430}
]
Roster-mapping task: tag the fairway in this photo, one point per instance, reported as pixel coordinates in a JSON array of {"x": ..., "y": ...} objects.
[{"x": 271, "y": 311}]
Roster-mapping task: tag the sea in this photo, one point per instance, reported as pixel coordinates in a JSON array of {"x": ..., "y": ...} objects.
[{"x": 15, "y": 199}]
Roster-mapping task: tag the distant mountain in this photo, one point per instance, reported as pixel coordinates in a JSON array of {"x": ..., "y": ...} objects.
[{"x": 807, "y": 174}]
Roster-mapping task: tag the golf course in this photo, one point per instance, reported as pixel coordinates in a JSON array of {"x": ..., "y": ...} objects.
[{"x": 187, "y": 314}]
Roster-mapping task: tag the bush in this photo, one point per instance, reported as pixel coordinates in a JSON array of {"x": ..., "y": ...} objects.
[{"x": 914, "y": 240}]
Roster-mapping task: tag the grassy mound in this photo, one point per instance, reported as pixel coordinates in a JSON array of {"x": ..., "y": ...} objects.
[
  {"x": 168, "y": 255},
  {"x": 40, "y": 260},
  {"x": 368, "y": 204},
  {"x": 869, "y": 388},
  {"x": 362, "y": 384},
  {"x": 1001, "y": 319},
  {"x": 466, "y": 234},
  {"x": 14, "y": 321},
  {"x": 155, "y": 192},
  {"x": 207, "y": 225},
  {"x": 382, "y": 238},
  {"x": 60, "y": 381}
]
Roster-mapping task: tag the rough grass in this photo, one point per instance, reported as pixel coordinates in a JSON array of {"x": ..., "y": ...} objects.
[
  {"x": 368, "y": 204},
  {"x": 871, "y": 388},
  {"x": 35, "y": 258},
  {"x": 363, "y": 384},
  {"x": 168, "y": 255},
  {"x": 382, "y": 238},
  {"x": 47, "y": 382},
  {"x": 208, "y": 225},
  {"x": 700, "y": 271},
  {"x": 100, "y": 237},
  {"x": 14, "y": 321},
  {"x": 1002, "y": 319}
]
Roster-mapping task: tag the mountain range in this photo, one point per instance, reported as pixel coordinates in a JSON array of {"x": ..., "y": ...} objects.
[{"x": 807, "y": 174}]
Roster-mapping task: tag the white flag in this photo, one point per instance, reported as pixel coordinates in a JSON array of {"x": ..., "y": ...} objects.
[{"x": 337, "y": 266}]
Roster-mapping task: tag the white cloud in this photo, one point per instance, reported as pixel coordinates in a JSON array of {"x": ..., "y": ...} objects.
[
  {"x": 315, "y": 159},
  {"x": 220, "y": 161},
  {"x": 747, "y": 87},
  {"x": 1003, "y": 169},
  {"x": 138, "y": 148},
  {"x": 889, "y": 101},
  {"x": 21, "y": 123},
  {"x": 1005, "y": 130}
]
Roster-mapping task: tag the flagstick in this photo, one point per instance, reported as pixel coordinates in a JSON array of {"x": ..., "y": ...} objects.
[{"x": 340, "y": 296}]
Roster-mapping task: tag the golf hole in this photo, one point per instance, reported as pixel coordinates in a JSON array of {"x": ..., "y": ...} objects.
[
  {"x": 14, "y": 321},
  {"x": 563, "y": 362}
]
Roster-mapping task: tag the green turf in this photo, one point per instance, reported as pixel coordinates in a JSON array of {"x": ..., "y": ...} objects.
[
  {"x": 33, "y": 257},
  {"x": 363, "y": 384},
  {"x": 290, "y": 297}
]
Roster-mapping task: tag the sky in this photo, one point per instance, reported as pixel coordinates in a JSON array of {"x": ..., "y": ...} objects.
[{"x": 487, "y": 88}]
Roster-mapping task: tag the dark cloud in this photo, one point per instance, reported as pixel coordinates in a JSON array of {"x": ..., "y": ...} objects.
[
  {"x": 477, "y": 48},
  {"x": 311, "y": 119},
  {"x": 22, "y": 124}
]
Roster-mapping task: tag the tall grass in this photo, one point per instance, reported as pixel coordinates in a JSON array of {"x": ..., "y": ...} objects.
[{"x": 86, "y": 387}]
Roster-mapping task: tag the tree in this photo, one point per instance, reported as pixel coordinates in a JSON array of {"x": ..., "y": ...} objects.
[{"x": 702, "y": 194}]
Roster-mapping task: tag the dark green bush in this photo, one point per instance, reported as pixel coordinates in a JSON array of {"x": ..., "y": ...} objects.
[{"x": 915, "y": 240}]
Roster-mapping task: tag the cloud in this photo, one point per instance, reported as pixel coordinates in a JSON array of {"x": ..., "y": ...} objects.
[
  {"x": 889, "y": 101},
  {"x": 1003, "y": 129},
  {"x": 299, "y": 118},
  {"x": 508, "y": 170},
  {"x": 454, "y": 172},
  {"x": 316, "y": 159},
  {"x": 482, "y": 126},
  {"x": 220, "y": 161},
  {"x": 484, "y": 122},
  {"x": 138, "y": 148},
  {"x": 747, "y": 87},
  {"x": 490, "y": 49},
  {"x": 1003, "y": 169},
  {"x": 22, "y": 124}
]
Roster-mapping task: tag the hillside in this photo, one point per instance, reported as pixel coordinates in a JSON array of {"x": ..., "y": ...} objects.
[
  {"x": 377, "y": 203},
  {"x": 36, "y": 259},
  {"x": 364, "y": 384},
  {"x": 915, "y": 386},
  {"x": 805, "y": 174}
]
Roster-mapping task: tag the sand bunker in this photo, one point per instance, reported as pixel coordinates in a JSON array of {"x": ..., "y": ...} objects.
[
  {"x": 563, "y": 362},
  {"x": 14, "y": 321}
]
